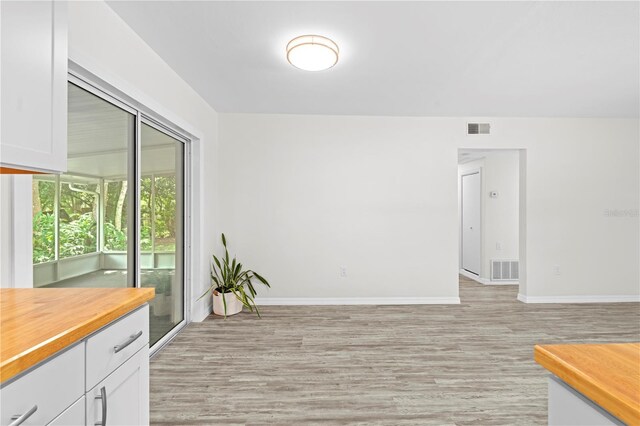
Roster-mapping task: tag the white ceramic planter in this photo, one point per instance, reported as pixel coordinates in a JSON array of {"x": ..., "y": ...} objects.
[{"x": 234, "y": 306}]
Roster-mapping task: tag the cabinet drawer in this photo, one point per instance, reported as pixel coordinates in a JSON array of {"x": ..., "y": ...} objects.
[
  {"x": 72, "y": 416},
  {"x": 52, "y": 387},
  {"x": 113, "y": 345}
]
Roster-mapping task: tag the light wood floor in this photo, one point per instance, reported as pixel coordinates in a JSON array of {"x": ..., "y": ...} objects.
[{"x": 467, "y": 364}]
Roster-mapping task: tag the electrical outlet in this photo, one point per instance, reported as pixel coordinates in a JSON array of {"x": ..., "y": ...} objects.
[
  {"x": 498, "y": 246},
  {"x": 343, "y": 272},
  {"x": 556, "y": 270}
]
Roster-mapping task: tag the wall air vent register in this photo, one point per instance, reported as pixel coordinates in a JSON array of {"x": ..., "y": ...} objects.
[{"x": 478, "y": 128}]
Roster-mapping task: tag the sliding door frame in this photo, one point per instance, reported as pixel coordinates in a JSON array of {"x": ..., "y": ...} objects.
[
  {"x": 185, "y": 172},
  {"x": 134, "y": 168}
]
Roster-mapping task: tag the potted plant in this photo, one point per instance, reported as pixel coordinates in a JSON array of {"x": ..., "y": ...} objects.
[{"x": 232, "y": 285}]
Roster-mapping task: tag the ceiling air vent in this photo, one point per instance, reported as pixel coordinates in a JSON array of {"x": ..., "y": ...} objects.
[{"x": 478, "y": 128}]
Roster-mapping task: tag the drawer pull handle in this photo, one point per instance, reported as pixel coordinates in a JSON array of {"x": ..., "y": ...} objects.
[
  {"x": 18, "y": 419},
  {"x": 132, "y": 338},
  {"x": 103, "y": 397}
]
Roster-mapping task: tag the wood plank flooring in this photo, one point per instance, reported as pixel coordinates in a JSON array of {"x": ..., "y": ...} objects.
[{"x": 467, "y": 364}]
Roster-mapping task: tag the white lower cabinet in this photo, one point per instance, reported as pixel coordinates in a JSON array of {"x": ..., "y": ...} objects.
[
  {"x": 568, "y": 407},
  {"x": 37, "y": 397},
  {"x": 115, "y": 344},
  {"x": 72, "y": 416},
  {"x": 122, "y": 399},
  {"x": 64, "y": 390}
]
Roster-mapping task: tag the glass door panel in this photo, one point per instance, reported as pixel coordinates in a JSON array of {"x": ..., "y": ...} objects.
[
  {"x": 161, "y": 228},
  {"x": 80, "y": 218}
]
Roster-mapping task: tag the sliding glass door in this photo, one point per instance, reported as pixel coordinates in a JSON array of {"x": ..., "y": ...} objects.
[
  {"x": 116, "y": 218},
  {"x": 161, "y": 226}
]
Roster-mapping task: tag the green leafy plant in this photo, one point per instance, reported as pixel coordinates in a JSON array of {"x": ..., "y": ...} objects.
[
  {"x": 77, "y": 212},
  {"x": 115, "y": 239},
  {"x": 43, "y": 237},
  {"x": 228, "y": 276}
]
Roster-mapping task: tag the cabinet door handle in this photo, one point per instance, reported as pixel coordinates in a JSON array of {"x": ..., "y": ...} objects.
[
  {"x": 18, "y": 419},
  {"x": 103, "y": 397},
  {"x": 132, "y": 338}
]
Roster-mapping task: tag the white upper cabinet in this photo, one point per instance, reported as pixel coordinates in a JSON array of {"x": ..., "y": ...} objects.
[{"x": 33, "y": 86}]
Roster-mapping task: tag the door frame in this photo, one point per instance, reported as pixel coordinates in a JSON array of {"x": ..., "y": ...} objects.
[
  {"x": 93, "y": 84},
  {"x": 522, "y": 214},
  {"x": 477, "y": 170}
]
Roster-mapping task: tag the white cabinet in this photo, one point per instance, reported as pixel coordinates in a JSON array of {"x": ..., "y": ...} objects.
[
  {"x": 33, "y": 85},
  {"x": 115, "y": 344},
  {"x": 46, "y": 391},
  {"x": 105, "y": 374},
  {"x": 122, "y": 399},
  {"x": 568, "y": 407},
  {"x": 73, "y": 415}
]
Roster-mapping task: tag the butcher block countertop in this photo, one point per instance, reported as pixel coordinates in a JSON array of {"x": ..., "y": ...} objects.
[
  {"x": 35, "y": 323},
  {"x": 608, "y": 374}
]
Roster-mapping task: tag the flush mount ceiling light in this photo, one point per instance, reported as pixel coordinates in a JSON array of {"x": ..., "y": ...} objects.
[{"x": 312, "y": 53}]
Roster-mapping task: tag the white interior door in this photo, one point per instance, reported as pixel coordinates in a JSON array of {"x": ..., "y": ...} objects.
[{"x": 471, "y": 204}]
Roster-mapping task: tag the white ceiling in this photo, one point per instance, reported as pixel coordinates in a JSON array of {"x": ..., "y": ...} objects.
[{"x": 404, "y": 58}]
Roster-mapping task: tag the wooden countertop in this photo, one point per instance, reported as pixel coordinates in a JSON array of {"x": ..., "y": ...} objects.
[
  {"x": 35, "y": 323},
  {"x": 608, "y": 374}
]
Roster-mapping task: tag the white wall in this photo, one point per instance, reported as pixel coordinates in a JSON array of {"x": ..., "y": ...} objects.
[
  {"x": 15, "y": 231},
  {"x": 6, "y": 231},
  {"x": 101, "y": 42},
  {"x": 500, "y": 172},
  {"x": 305, "y": 195}
]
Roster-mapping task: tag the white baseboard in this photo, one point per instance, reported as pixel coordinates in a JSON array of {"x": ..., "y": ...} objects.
[
  {"x": 485, "y": 281},
  {"x": 201, "y": 310},
  {"x": 505, "y": 282},
  {"x": 579, "y": 299},
  {"x": 274, "y": 301}
]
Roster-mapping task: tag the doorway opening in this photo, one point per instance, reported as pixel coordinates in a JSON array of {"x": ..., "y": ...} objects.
[{"x": 491, "y": 215}]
